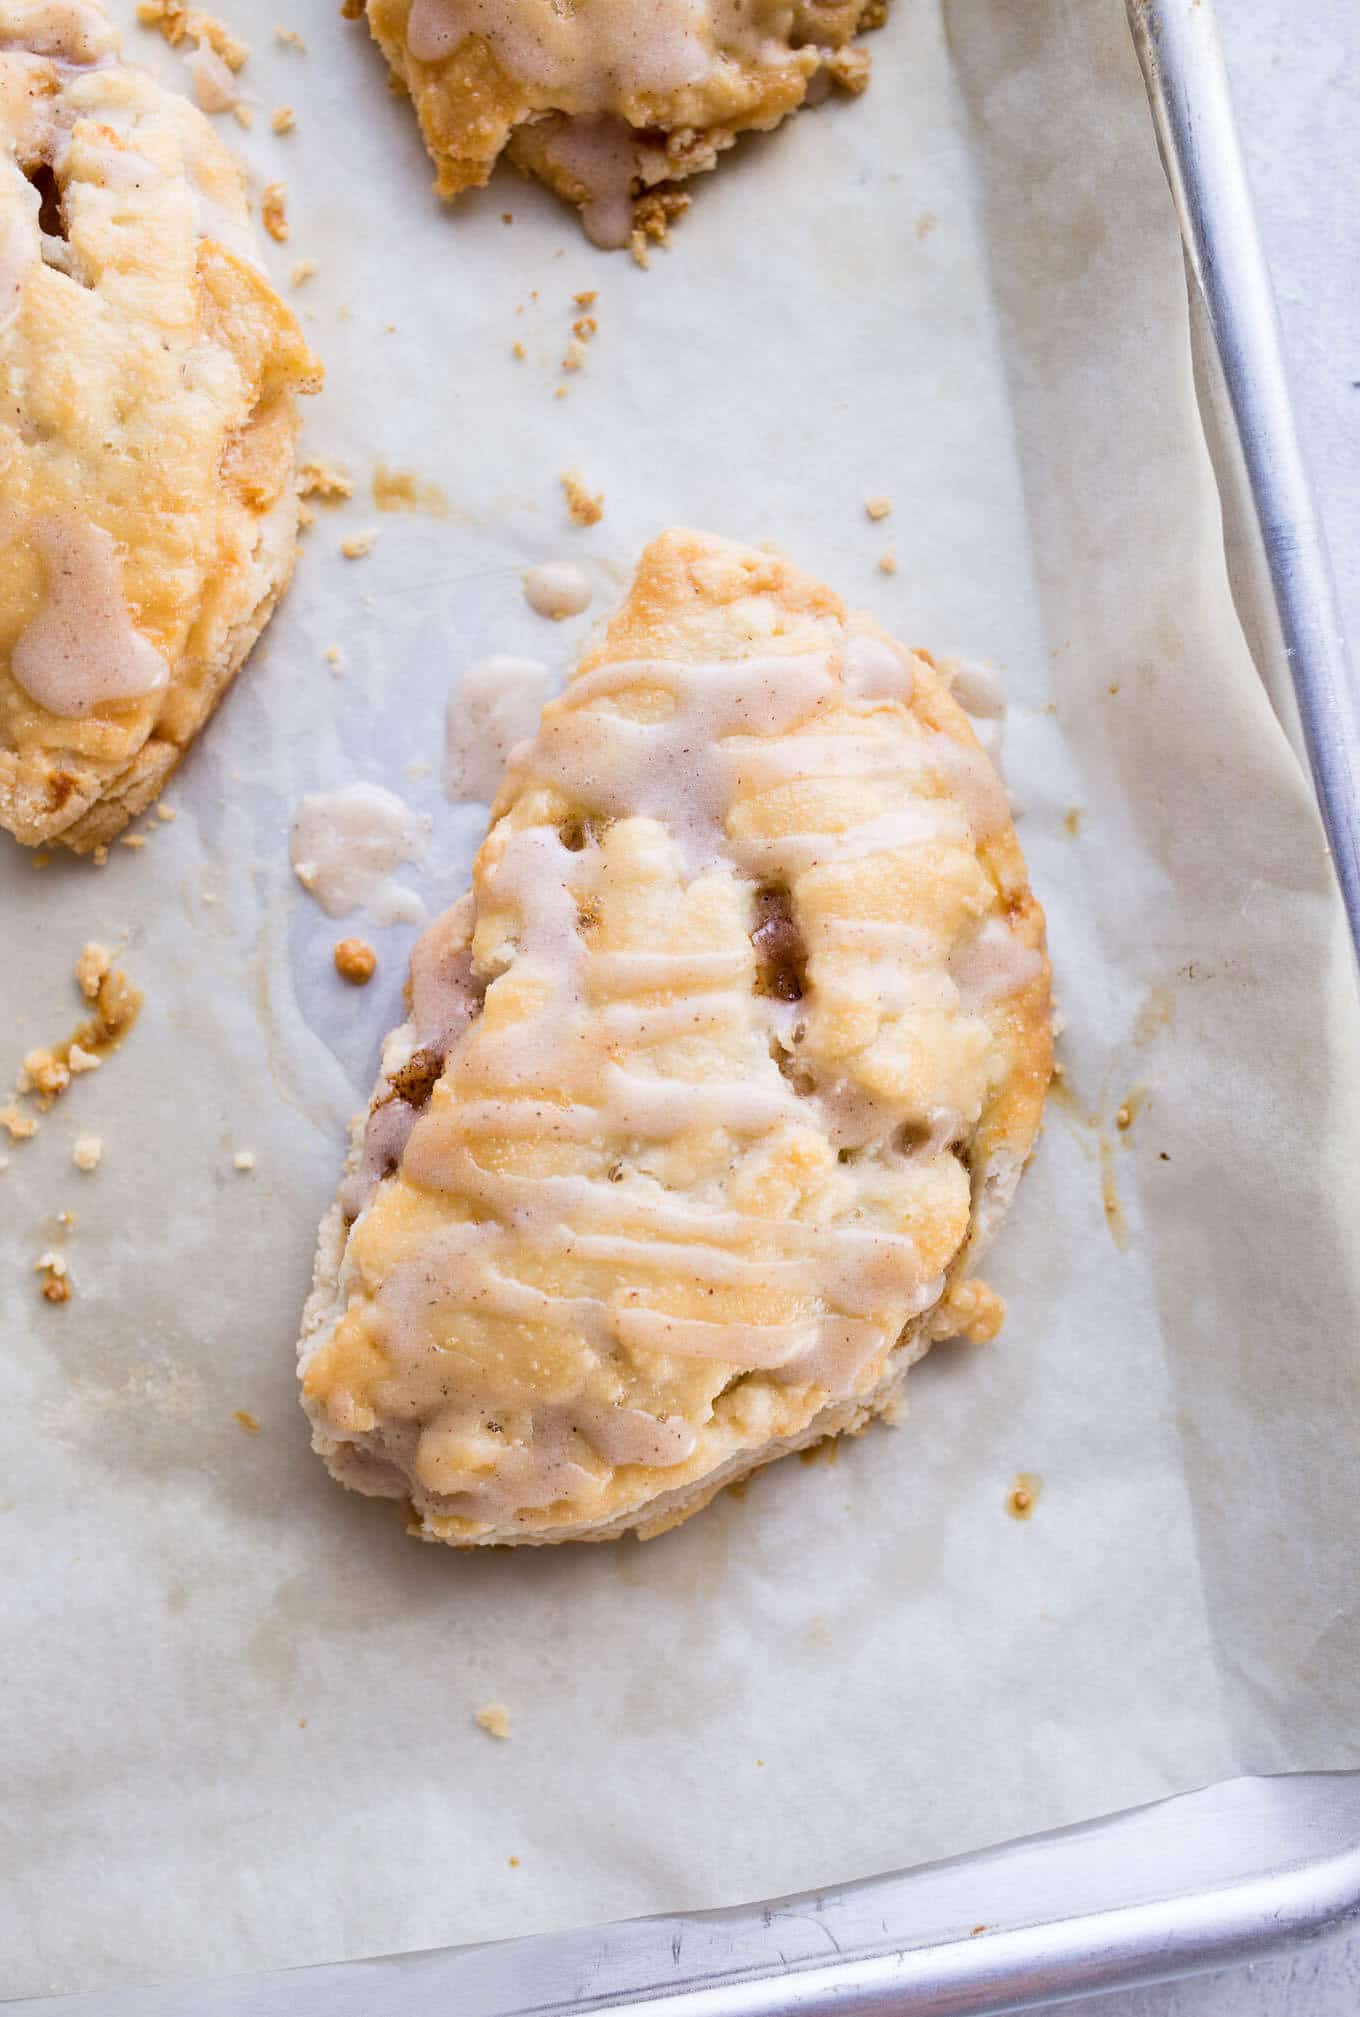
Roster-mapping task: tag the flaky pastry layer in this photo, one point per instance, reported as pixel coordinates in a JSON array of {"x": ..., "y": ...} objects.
[
  {"x": 148, "y": 507},
  {"x": 711, "y": 1088},
  {"x": 610, "y": 102}
]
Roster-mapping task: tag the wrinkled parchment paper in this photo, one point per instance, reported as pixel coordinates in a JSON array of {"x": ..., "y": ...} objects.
[{"x": 238, "y": 1704}]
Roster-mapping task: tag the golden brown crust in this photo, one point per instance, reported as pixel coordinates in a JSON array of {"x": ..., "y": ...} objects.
[
  {"x": 153, "y": 427},
  {"x": 533, "y": 82},
  {"x": 710, "y": 1091}
]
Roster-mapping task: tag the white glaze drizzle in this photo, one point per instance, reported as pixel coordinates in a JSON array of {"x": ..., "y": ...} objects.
[
  {"x": 678, "y": 745},
  {"x": 345, "y": 844},
  {"x": 495, "y": 705},
  {"x": 82, "y": 650},
  {"x": 556, "y": 589}
]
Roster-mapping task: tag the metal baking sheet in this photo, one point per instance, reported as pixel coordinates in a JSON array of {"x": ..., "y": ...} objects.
[{"x": 1198, "y": 1880}]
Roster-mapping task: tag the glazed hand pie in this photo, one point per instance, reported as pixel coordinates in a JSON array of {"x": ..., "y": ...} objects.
[
  {"x": 711, "y": 1090},
  {"x": 612, "y": 102},
  {"x": 148, "y": 508}
]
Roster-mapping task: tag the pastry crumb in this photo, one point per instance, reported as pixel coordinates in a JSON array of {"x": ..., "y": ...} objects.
[
  {"x": 175, "y": 21},
  {"x": 653, "y": 216},
  {"x": 585, "y": 507},
  {"x": 850, "y": 69},
  {"x": 518, "y": 350},
  {"x": 243, "y": 115},
  {"x": 43, "y": 1072},
  {"x": 306, "y": 516},
  {"x": 78, "y": 1059},
  {"x": 40, "y": 861},
  {"x": 166, "y": 812},
  {"x": 290, "y": 39},
  {"x": 274, "y": 211},
  {"x": 575, "y": 356},
  {"x": 94, "y": 962},
  {"x": 587, "y": 297},
  {"x": 56, "y": 1284},
  {"x": 358, "y": 545},
  {"x": 1072, "y": 821},
  {"x": 283, "y": 119},
  {"x": 513, "y": 1861},
  {"x": 495, "y": 1720},
  {"x": 244, "y": 1159},
  {"x": 355, "y": 960},
  {"x": 302, "y": 272},
  {"x": 971, "y": 1311},
  {"x": 132, "y": 840},
  {"x": 334, "y": 657},
  {"x": 887, "y": 561},
  {"x": 245, "y": 1420},
  {"x": 1023, "y": 1495},
  {"x": 87, "y": 1152},
  {"x": 877, "y": 507},
  {"x": 328, "y": 482},
  {"x": 19, "y": 1126}
]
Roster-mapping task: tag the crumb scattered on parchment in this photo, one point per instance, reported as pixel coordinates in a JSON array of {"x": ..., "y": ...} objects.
[
  {"x": 19, "y": 1126},
  {"x": 1129, "y": 1109},
  {"x": 243, "y": 115},
  {"x": 926, "y": 223},
  {"x": 495, "y": 1720},
  {"x": 971, "y": 1311},
  {"x": 302, "y": 272},
  {"x": 166, "y": 812},
  {"x": 403, "y": 490},
  {"x": 87, "y": 1152},
  {"x": 586, "y": 298},
  {"x": 584, "y": 506},
  {"x": 306, "y": 516},
  {"x": 877, "y": 507},
  {"x": 56, "y": 1283},
  {"x": 1023, "y": 1495},
  {"x": 245, "y": 1420},
  {"x": 328, "y": 482},
  {"x": 850, "y": 69},
  {"x": 653, "y": 217},
  {"x": 560, "y": 393},
  {"x": 887, "y": 561},
  {"x": 283, "y": 119},
  {"x": 132, "y": 840},
  {"x": 214, "y": 82},
  {"x": 358, "y": 544},
  {"x": 274, "y": 211},
  {"x": 48, "y": 1069},
  {"x": 244, "y": 1159},
  {"x": 513, "y": 1861},
  {"x": 335, "y": 659},
  {"x": 518, "y": 350},
  {"x": 100, "y": 855},
  {"x": 175, "y": 20},
  {"x": 355, "y": 960},
  {"x": 290, "y": 39},
  {"x": 575, "y": 355},
  {"x": 1072, "y": 821}
]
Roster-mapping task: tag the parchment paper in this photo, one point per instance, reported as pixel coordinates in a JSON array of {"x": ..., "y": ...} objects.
[{"x": 238, "y": 1703}]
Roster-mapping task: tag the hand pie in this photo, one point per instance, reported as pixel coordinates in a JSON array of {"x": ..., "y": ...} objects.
[
  {"x": 148, "y": 509},
  {"x": 711, "y": 1089},
  {"x": 612, "y": 102}
]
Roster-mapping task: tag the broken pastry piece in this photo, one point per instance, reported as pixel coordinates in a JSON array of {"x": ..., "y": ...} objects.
[
  {"x": 148, "y": 509},
  {"x": 711, "y": 1090},
  {"x": 612, "y": 102}
]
